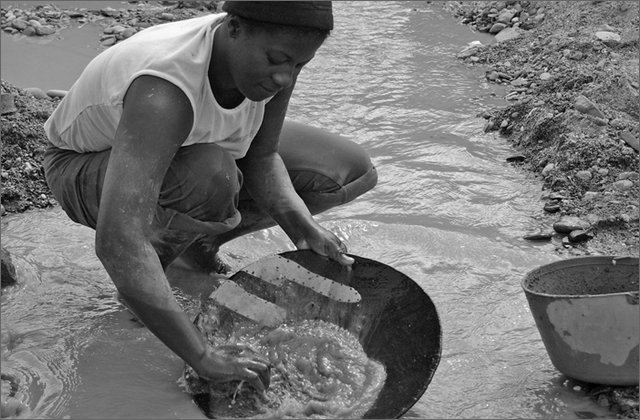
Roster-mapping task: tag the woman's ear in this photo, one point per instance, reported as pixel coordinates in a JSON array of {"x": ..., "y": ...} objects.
[{"x": 233, "y": 26}]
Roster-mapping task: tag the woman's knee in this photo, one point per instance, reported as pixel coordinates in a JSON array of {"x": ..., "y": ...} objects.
[
  {"x": 203, "y": 182},
  {"x": 304, "y": 147},
  {"x": 324, "y": 166}
]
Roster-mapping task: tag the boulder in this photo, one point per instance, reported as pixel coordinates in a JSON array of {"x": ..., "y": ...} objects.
[
  {"x": 8, "y": 104},
  {"x": 8, "y": 272},
  {"x": 568, "y": 224},
  {"x": 627, "y": 137},
  {"x": 579, "y": 236},
  {"x": 508, "y": 34},
  {"x": 497, "y": 27},
  {"x": 36, "y": 92},
  {"x": 56, "y": 93},
  {"x": 610, "y": 39},
  {"x": 585, "y": 106},
  {"x": 506, "y": 15},
  {"x": 623, "y": 185}
]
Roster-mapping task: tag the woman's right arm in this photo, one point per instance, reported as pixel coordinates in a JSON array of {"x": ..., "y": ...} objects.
[{"x": 156, "y": 120}]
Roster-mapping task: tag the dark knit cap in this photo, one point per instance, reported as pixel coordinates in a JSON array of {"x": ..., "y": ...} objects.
[{"x": 310, "y": 14}]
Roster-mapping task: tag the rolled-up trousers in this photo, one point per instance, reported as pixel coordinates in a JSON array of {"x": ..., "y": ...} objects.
[{"x": 203, "y": 193}]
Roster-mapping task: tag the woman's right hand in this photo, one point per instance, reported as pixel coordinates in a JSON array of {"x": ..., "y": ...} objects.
[{"x": 228, "y": 363}]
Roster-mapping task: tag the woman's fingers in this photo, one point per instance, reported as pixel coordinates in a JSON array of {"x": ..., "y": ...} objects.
[{"x": 262, "y": 371}]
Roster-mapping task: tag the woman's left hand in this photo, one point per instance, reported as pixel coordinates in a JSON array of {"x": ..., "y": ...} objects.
[{"x": 326, "y": 243}]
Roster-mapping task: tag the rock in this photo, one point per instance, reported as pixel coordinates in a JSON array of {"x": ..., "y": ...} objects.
[
  {"x": 568, "y": 224},
  {"x": 56, "y": 93},
  {"x": 515, "y": 159},
  {"x": 505, "y": 16},
  {"x": 110, "y": 12},
  {"x": 519, "y": 82},
  {"x": 556, "y": 196},
  {"x": 508, "y": 34},
  {"x": 584, "y": 175},
  {"x": 545, "y": 76},
  {"x": 109, "y": 41},
  {"x": 590, "y": 195},
  {"x": 585, "y": 106},
  {"x": 31, "y": 170},
  {"x": 538, "y": 236},
  {"x": 466, "y": 53},
  {"x": 167, "y": 16},
  {"x": 628, "y": 175},
  {"x": 118, "y": 29},
  {"x": 573, "y": 55},
  {"x": 497, "y": 27},
  {"x": 630, "y": 36},
  {"x": 29, "y": 31},
  {"x": 193, "y": 4},
  {"x": 492, "y": 75},
  {"x": 36, "y": 93},
  {"x": 8, "y": 105},
  {"x": 34, "y": 23},
  {"x": 598, "y": 121},
  {"x": 470, "y": 49},
  {"x": 618, "y": 124},
  {"x": 19, "y": 24},
  {"x": 548, "y": 168},
  {"x": 45, "y": 30},
  {"x": 128, "y": 32},
  {"x": 593, "y": 219},
  {"x": 579, "y": 236},
  {"x": 552, "y": 207},
  {"x": 623, "y": 185},
  {"x": 8, "y": 270},
  {"x": 610, "y": 39},
  {"x": 631, "y": 140}
]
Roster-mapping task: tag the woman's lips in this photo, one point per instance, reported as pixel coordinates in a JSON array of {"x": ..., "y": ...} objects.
[{"x": 270, "y": 91}]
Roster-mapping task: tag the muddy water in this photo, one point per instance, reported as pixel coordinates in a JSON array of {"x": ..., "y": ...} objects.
[{"x": 448, "y": 212}]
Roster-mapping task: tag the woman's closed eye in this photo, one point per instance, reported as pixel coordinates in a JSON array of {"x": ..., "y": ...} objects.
[{"x": 276, "y": 59}]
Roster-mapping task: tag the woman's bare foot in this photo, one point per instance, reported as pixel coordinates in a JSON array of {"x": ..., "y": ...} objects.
[{"x": 202, "y": 257}]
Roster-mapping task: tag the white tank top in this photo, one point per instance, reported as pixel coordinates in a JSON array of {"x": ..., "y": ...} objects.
[{"x": 87, "y": 117}]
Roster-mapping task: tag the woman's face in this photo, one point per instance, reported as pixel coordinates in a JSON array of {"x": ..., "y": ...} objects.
[{"x": 264, "y": 62}]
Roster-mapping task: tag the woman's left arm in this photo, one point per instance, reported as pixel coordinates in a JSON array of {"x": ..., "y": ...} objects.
[{"x": 267, "y": 181}]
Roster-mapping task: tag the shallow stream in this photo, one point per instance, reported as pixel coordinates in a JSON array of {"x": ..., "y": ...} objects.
[{"x": 448, "y": 211}]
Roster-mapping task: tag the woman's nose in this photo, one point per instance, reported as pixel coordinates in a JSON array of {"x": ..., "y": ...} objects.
[{"x": 283, "y": 79}]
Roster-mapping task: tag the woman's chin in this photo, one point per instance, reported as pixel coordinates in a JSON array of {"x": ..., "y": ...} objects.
[{"x": 259, "y": 94}]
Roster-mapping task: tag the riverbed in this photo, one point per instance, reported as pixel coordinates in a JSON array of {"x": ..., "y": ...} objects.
[{"x": 448, "y": 211}]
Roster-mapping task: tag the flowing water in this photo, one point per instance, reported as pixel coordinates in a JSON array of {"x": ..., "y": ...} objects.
[{"x": 448, "y": 211}]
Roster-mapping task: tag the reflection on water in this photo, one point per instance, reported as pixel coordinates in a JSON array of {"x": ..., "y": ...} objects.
[{"x": 448, "y": 212}]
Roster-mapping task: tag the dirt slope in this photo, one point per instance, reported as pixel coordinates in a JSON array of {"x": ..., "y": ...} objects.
[{"x": 572, "y": 74}]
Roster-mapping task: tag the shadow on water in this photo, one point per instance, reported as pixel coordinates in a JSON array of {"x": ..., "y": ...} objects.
[{"x": 448, "y": 212}]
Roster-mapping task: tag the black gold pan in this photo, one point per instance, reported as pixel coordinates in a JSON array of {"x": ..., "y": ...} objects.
[{"x": 394, "y": 319}]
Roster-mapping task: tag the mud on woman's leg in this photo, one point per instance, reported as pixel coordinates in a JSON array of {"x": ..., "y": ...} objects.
[
  {"x": 200, "y": 193},
  {"x": 326, "y": 170}
]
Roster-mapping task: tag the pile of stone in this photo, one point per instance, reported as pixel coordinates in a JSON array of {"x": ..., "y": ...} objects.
[
  {"x": 41, "y": 21},
  {"x": 504, "y": 14},
  {"x": 119, "y": 24}
]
